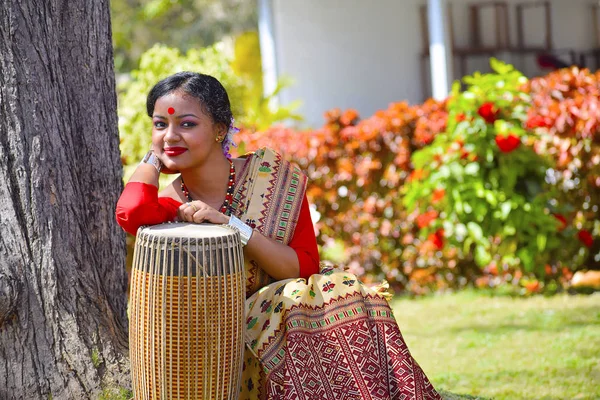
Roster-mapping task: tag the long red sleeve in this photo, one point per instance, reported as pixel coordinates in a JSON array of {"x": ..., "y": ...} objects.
[{"x": 140, "y": 205}]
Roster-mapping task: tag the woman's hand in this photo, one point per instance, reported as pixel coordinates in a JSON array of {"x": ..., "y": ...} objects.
[
  {"x": 198, "y": 212},
  {"x": 159, "y": 153}
]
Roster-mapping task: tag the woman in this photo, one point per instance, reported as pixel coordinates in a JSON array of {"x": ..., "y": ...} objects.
[{"x": 310, "y": 334}]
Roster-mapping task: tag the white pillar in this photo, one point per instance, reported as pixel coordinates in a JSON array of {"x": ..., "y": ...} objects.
[
  {"x": 268, "y": 55},
  {"x": 437, "y": 49}
]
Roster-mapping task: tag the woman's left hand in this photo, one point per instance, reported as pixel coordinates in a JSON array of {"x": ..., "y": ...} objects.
[{"x": 198, "y": 212}]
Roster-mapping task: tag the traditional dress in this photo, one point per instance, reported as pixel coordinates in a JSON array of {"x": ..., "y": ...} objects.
[{"x": 322, "y": 336}]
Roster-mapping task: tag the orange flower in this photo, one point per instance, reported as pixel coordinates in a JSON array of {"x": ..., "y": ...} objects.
[
  {"x": 533, "y": 286},
  {"x": 424, "y": 220},
  {"x": 332, "y": 115},
  {"x": 438, "y": 195},
  {"x": 349, "y": 116},
  {"x": 461, "y": 117},
  {"x": 567, "y": 273},
  {"x": 417, "y": 174}
]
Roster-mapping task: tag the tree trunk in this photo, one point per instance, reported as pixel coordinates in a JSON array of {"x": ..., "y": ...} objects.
[{"x": 63, "y": 317}]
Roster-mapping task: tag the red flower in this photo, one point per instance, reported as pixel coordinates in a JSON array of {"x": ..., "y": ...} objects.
[
  {"x": 506, "y": 144},
  {"x": 586, "y": 238},
  {"x": 563, "y": 221},
  {"x": 487, "y": 112},
  {"x": 438, "y": 195},
  {"x": 424, "y": 220},
  {"x": 461, "y": 117},
  {"x": 537, "y": 121},
  {"x": 437, "y": 239}
]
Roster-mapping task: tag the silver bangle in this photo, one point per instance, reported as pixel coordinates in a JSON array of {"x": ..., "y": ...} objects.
[
  {"x": 152, "y": 159},
  {"x": 244, "y": 230}
]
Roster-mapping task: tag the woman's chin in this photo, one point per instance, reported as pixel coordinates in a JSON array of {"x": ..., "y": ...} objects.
[{"x": 170, "y": 167}]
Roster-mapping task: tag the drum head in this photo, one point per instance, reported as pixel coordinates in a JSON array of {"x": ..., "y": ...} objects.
[
  {"x": 188, "y": 230},
  {"x": 184, "y": 249}
]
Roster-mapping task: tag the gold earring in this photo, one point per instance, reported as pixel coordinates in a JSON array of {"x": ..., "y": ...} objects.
[{"x": 218, "y": 139}]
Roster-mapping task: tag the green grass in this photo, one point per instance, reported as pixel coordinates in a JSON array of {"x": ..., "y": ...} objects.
[
  {"x": 116, "y": 394},
  {"x": 474, "y": 346}
]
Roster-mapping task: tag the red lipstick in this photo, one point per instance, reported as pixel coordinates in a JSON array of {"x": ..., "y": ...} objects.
[{"x": 174, "y": 151}]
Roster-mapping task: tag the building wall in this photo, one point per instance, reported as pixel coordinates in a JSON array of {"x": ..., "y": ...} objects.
[{"x": 365, "y": 54}]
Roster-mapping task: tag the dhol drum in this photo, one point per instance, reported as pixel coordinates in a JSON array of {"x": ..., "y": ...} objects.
[{"x": 186, "y": 332}]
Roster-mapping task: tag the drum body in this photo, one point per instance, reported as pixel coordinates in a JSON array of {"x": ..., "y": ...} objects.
[{"x": 186, "y": 310}]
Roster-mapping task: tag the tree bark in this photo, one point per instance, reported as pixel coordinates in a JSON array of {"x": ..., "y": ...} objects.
[{"x": 63, "y": 323}]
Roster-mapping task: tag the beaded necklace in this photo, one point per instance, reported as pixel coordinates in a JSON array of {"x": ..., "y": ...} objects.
[{"x": 228, "y": 194}]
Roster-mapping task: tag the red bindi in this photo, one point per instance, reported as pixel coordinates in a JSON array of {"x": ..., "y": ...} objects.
[{"x": 171, "y": 110}]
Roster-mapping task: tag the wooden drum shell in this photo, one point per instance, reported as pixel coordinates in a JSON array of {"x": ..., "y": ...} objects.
[{"x": 186, "y": 332}]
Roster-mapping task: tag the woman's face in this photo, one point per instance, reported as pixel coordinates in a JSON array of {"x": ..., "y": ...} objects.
[{"x": 183, "y": 135}]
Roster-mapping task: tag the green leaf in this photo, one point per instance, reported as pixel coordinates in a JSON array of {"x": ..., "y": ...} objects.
[
  {"x": 491, "y": 198},
  {"x": 444, "y": 172},
  {"x": 472, "y": 168},
  {"x": 467, "y": 245},
  {"x": 460, "y": 230},
  {"x": 509, "y": 230},
  {"x": 526, "y": 259},
  {"x": 467, "y": 207},
  {"x": 475, "y": 231},
  {"x": 501, "y": 126},
  {"x": 457, "y": 170},
  {"x": 505, "y": 209},
  {"x": 482, "y": 256},
  {"x": 541, "y": 241},
  {"x": 449, "y": 228}
]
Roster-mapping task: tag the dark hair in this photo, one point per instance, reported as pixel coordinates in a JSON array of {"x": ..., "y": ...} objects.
[{"x": 207, "y": 89}]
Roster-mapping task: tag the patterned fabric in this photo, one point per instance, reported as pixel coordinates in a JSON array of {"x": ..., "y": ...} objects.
[
  {"x": 328, "y": 337},
  {"x": 268, "y": 197}
]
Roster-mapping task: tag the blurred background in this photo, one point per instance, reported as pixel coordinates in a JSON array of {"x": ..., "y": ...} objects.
[
  {"x": 342, "y": 88},
  {"x": 452, "y": 149},
  {"x": 359, "y": 54}
]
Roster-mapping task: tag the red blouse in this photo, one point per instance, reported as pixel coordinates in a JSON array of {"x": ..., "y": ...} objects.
[{"x": 139, "y": 205}]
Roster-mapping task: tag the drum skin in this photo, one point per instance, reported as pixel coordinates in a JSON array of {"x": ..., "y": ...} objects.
[{"x": 186, "y": 312}]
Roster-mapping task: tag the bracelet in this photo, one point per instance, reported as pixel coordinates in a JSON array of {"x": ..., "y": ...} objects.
[
  {"x": 152, "y": 159},
  {"x": 244, "y": 230}
]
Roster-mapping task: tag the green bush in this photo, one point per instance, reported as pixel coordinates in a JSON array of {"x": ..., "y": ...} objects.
[
  {"x": 496, "y": 202},
  {"x": 496, "y": 187}
]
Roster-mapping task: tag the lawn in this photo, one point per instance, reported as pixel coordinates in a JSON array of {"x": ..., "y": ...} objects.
[{"x": 474, "y": 346}]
